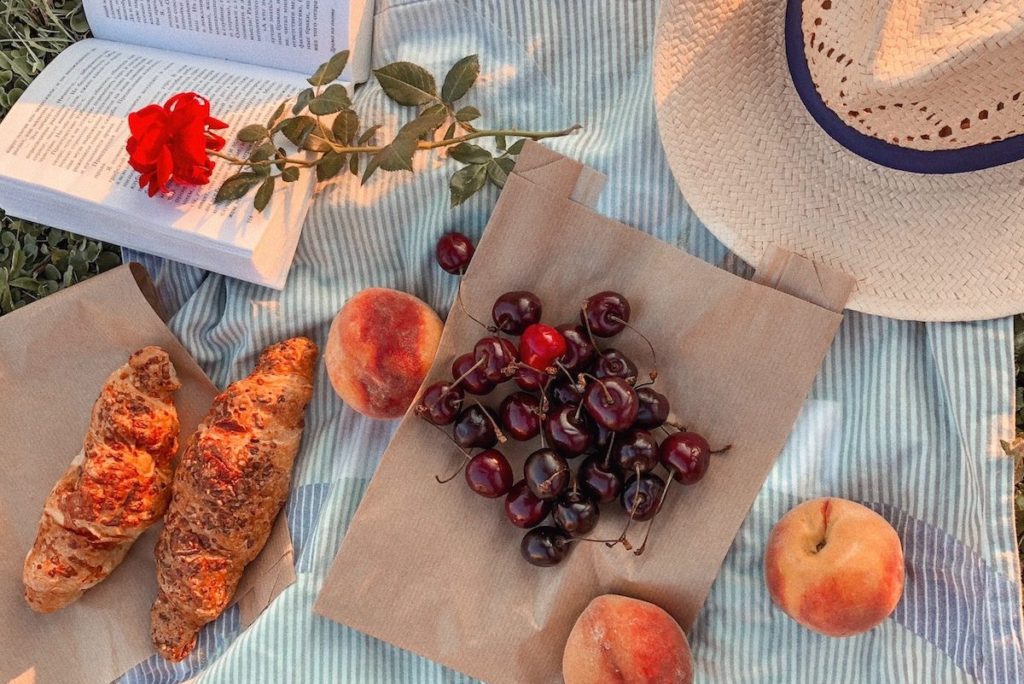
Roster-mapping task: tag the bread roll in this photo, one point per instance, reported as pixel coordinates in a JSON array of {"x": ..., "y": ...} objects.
[
  {"x": 230, "y": 485},
  {"x": 115, "y": 488}
]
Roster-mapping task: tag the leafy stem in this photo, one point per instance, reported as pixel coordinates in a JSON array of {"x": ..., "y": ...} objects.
[{"x": 324, "y": 124}]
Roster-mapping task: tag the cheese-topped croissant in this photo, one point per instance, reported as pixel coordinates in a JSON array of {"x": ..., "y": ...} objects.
[
  {"x": 230, "y": 485},
  {"x": 115, "y": 488}
]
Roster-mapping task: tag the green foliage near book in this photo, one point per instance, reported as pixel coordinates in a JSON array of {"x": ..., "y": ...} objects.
[{"x": 35, "y": 260}]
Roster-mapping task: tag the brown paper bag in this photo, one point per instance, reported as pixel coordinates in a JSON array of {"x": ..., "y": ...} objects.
[
  {"x": 54, "y": 358},
  {"x": 436, "y": 569}
]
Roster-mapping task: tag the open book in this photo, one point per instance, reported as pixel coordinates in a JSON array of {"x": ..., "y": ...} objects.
[{"x": 62, "y": 146}]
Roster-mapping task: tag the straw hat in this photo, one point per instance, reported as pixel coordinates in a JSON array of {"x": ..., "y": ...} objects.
[{"x": 883, "y": 138}]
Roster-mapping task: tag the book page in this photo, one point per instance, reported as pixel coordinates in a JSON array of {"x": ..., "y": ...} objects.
[
  {"x": 67, "y": 135},
  {"x": 296, "y": 35}
]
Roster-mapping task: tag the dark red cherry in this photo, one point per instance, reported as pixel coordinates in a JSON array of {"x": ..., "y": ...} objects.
[
  {"x": 489, "y": 474},
  {"x": 653, "y": 408},
  {"x": 576, "y": 512},
  {"x": 453, "y": 252},
  {"x": 601, "y": 311},
  {"x": 611, "y": 402},
  {"x": 635, "y": 449},
  {"x": 531, "y": 379},
  {"x": 686, "y": 455},
  {"x": 513, "y": 312},
  {"x": 544, "y": 546},
  {"x": 520, "y": 416},
  {"x": 579, "y": 350},
  {"x": 475, "y": 382},
  {"x": 613, "y": 363},
  {"x": 498, "y": 354},
  {"x": 547, "y": 473},
  {"x": 568, "y": 434},
  {"x": 440, "y": 403},
  {"x": 604, "y": 484},
  {"x": 644, "y": 492},
  {"x": 474, "y": 429},
  {"x": 523, "y": 509},
  {"x": 561, "y": 391},
  {"x": 540, "y": 345}
]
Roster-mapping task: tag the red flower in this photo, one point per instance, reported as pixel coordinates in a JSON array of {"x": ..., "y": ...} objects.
[{"x": 170, "y": 142}]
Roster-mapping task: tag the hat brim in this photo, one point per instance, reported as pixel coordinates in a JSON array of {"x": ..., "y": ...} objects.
[{"x": 759, "y": 171}]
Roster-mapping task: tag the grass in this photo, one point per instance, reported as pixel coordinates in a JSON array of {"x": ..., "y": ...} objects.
[{"x": 35, "y": 260}]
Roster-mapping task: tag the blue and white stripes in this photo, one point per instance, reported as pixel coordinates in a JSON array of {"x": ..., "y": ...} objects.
[{"x": 904, "y": 416}]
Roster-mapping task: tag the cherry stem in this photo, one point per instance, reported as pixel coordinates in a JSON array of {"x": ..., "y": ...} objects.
[
  {"x": 661, "y": 503},
  {"x": 458, "y": 298},
  {"x": 457, "y": 446},
  {"x": 677, "y": 426},
  {"x": 465, "y": 375},
  {"x": 722, "y": 450},
  {"x": 453, "y": 475},
  {"x": 497, "y": 428},
  {"x": 654, "y": 357},
  {"x": 632, "y": 515},
  {"x": 590, "y": 333},
  {"x": 607, "y": 395},
  {"x": 608, "y": 454},
  {"x": 566, "y": 371}
]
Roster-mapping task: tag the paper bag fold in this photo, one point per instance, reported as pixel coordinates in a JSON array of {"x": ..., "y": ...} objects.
[{"x": 436, "y": 569}]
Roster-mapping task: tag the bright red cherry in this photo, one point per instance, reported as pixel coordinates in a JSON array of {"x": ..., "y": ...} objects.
[
  {"x": 540, "y": 345},
  {"x": 686, "y": 455}
]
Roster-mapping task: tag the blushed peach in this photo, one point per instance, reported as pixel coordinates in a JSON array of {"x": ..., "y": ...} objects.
[
  {"x": 379, "y": 349},
  {"x": 621, "y": 639},
  {"x": 834, "y": 566}
]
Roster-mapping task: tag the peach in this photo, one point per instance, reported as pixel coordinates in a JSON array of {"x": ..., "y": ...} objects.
[
  {"x": 834, "y": 566},
  {"x": 621, "y": 639},
  {"x": 379, "y": 349}
]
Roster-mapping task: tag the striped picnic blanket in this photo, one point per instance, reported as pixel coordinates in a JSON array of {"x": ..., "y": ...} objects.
[{"x": 904, "y": 417}]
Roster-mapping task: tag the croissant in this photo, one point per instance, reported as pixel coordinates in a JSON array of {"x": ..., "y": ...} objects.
[
  {"x": 231, "y": 482},
  {"x": 116, "y": 487}
]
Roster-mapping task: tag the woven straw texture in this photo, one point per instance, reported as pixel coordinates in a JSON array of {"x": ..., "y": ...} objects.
[
  {"x": 758, "y": 170},
  {"x": 928, "y": 75}
]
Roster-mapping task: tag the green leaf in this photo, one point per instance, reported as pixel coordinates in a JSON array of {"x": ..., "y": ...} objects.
[
  {"x": 317, "y": 143},
  {"x": 460, "y": 78},
  {"x": 500, "y": 142},
  {"x": 353, "y": 164},
  {"x": 517, "y": 146},
  {"x": 297, "y": 129},
  {"x": 467, "y": 181},
  {"x": 302, "y": 100},
  {"x": 253, "y": 133},
  {"x": 277, "y": 114},
  {"x": 407, "y": 83},
  {"x": 235, "y": 187},
  {"x": 429, "y": 120},
  {"x": 345, "y": 126},
  {"x": 290, "y": 174},
  {"x": 331, "y": 101},
  {"x": 467, "y": 153},
  {"x": 263, "y": 194},
  {"x": 450, "y": 133},
  {"x": 262, "y": 152},
  {"x": 499, "y": 169},
  {"x": 330, "y": 165},
  {"x": 467, "y": 114},
  {"x": 329, "y": 70},
  {"x": 396, "y": 155},
  {"x": 368, "y": 135}
]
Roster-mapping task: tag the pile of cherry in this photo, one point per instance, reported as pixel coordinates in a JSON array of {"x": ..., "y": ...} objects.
[{"x": 580, "y": 400}]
